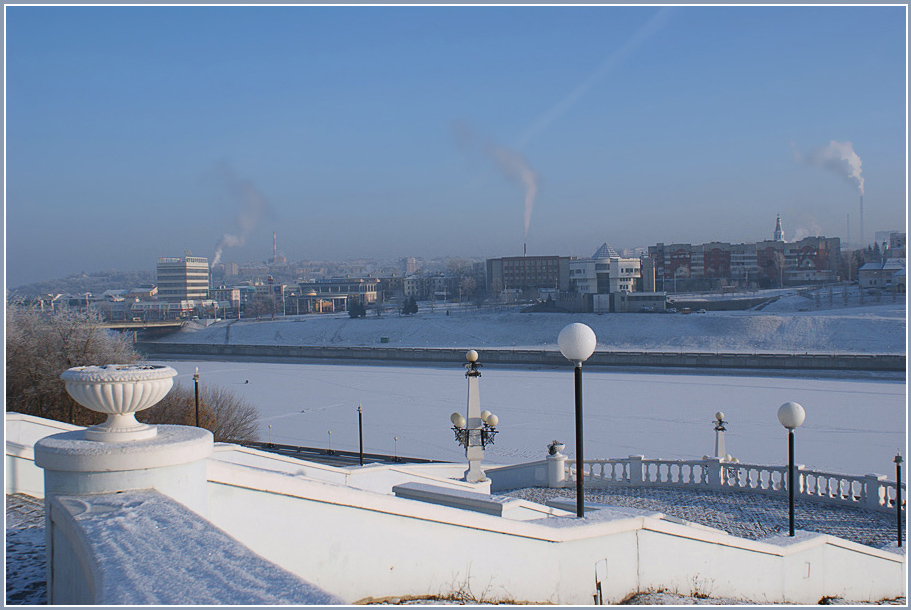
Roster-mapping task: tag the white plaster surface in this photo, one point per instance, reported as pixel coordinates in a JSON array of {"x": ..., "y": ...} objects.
[
  {"x": 152, "y": 550},
  {"x": 72, "y": 451}
]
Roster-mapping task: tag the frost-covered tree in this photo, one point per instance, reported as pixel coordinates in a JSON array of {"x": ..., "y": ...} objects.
[
  {"x": 228, "y": 416},
  {"x": 41, "y": 345}
]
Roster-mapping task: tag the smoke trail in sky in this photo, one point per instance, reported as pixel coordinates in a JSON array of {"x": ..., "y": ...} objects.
[
  {"x": 516, "y": 169},
  {"x": 613, "y": 60},
  {"x": 253, "y": 207},
  {"x": 510, "y": 163},
  {"x": 839, "y": 158}
]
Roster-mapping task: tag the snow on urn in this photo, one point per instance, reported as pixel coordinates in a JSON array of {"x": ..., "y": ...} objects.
[{"x": 120, "y": 390}]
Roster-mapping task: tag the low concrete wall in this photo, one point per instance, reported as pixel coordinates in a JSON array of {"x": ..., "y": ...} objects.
[
  {"x": 842, "y": 362},
  {"x": 22, "y": 432},
  {"x": 361, "y": 544}
]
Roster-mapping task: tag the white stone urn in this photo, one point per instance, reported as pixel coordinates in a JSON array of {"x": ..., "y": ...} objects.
[{"x": 120, "y": 390}]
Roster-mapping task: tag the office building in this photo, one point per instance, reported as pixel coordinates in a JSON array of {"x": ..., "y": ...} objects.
[{"x": 183, "y": 278}]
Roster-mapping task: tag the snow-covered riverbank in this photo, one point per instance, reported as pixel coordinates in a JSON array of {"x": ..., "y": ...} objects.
[{"x": 780, "y": 327}]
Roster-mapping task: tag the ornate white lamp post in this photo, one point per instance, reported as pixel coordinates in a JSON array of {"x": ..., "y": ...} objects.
[
  {"x": 120, "y": 390},
  {"x": 577, "y": 342},
  {"x": 791, "y": 415},
  {"x": 720, "y": 450},
  {"x": 480, "y": 427}
]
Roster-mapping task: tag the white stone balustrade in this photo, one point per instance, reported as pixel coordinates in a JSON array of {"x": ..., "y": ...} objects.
[{"x": 870, "y": 491}]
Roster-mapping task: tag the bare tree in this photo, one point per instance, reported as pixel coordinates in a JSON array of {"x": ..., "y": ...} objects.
[
  {"x": 469, "y": 285},
  {"x": 229, "y": 417}
]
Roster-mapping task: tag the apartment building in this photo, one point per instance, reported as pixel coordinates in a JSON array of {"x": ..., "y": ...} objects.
[
  {"x": 183, "y": 278},
  {"x": 528, "y": 272}
]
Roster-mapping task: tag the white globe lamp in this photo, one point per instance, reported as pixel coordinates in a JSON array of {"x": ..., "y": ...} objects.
[
  {"x": 791, "y": 415},
  {"x": 577, "y": 342}
]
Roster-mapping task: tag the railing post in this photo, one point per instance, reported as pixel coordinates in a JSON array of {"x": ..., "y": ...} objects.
[
  {"x": 713, "y": 470},
  {"x": 875, "y": 493},
  {"x": 556, "y": 470},
  {"x": 801, "y": 483},
  {"x": 635, "y": 470}
]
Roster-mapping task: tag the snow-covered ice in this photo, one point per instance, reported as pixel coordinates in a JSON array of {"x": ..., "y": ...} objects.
[{"x": 853, "y": 426}]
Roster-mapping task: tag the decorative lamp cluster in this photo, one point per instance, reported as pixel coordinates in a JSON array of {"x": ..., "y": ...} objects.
[{"x": 482, "y": 436}]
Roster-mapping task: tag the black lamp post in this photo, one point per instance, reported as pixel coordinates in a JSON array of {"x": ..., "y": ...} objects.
[
  {"x": 577, "y": 342},
  {"x": 898, "y": 495},
  {"x": 196, "y": 385},
  {"x": 360, "y": 431},
  {"x": 791, "y": 415}
]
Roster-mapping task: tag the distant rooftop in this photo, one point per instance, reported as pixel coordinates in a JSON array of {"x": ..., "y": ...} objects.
[{"x": 606, "y": 251}]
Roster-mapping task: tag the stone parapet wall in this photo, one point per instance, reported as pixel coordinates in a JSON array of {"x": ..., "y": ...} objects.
[{"x": 537, "y": 357}]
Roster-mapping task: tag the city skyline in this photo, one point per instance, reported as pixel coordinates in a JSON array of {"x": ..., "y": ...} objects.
[{"x": 385, "y": 132}]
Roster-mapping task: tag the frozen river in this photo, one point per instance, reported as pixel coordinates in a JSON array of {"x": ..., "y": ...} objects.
[{"x": 852, "y": 426}]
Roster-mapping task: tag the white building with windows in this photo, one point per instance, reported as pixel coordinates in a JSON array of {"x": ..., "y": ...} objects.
[
  {"x": 183, "y": 278},
  {"x": 605, "y": 273}
]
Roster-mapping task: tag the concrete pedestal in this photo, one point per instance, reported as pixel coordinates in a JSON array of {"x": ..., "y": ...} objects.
[
  {"x": 173, "y": 462},
  {"x": 556, "y": 470}
]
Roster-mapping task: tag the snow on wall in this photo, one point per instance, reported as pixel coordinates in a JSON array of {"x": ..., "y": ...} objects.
[{"x": 141, "y": 547}]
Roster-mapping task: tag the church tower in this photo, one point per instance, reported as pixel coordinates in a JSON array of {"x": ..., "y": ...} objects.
[{"x": 779, "y": 234}]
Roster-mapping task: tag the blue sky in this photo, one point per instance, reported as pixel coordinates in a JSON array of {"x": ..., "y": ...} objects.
[{"x": 139, "y": 132}]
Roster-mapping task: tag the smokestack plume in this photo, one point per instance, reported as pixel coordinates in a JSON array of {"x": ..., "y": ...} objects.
[
  {"x": 510, "y": 163},
  {"x": 253, "y": 206},
  {"x": 840, "y": 159}
]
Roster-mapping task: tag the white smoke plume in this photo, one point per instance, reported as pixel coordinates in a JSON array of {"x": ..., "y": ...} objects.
[
  {"x": 516, "y": 169},
  {"x": 813, "y": 230},
  {"x": 253, "y": 206},
  {"x": 839, "y": 158},
  {"x": 512, "y": 165}
]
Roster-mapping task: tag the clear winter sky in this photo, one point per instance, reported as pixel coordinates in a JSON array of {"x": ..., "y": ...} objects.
[{"x": 139, "y": 132}]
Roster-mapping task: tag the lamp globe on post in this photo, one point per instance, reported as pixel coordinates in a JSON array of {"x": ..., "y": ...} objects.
[
  {"x": 791, "y": 415},
  {"x": 577, "y": 342}
]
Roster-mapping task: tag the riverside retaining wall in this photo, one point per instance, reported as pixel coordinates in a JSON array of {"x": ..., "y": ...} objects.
[{"x": 702, "y": 360}]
